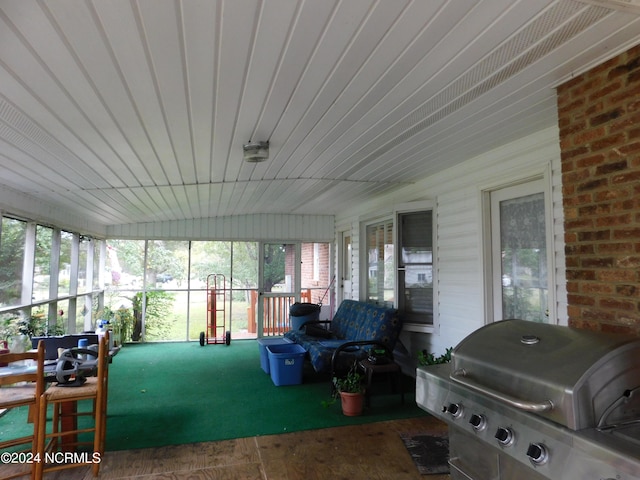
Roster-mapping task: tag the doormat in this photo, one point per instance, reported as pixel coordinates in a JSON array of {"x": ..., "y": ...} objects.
[{"x": 430, "y": 451}]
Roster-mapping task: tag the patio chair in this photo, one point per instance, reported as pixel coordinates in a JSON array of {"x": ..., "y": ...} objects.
[
  {"x": 66, "y": 403},
  {"x": 22, "y": 384}
]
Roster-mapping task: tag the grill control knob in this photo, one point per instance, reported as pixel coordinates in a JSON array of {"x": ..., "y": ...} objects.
[
  {"x": 478, "y": 422},
  {"x": 537, "y": 453},
  {"x": 455, "y": 410},
  {"x": 505, "y": 436}
]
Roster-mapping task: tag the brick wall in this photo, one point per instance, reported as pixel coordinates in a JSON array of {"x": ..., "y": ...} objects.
[
  {"x": 308, "y": 274},
  {"x": 599, "y": 120}
]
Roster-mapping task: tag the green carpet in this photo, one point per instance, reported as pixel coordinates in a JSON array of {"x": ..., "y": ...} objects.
[{"x": 176, "y": 393}]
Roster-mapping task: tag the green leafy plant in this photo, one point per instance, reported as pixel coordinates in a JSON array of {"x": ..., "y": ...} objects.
[
  {"x": 120, "y": 322},
  {"x": 157, "y": 310},
  {"x": 54, "y": 330},
  {"x": 8, "y": 328},
  {"x": 106, "y": 313},
  {"x": 351, "y": 383},
  {"x": 36, "y": 325},
  {"x": 426, "y": 358},
  {"x": 123, "y": 322}
]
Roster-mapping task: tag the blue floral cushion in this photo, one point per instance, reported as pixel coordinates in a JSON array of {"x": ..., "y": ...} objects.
[{"x": 353, "y": 321}]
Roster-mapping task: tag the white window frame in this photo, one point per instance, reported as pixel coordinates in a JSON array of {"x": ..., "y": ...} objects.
[
  {"x": 415, "y": 207},
  {"x": 492, "y": 282},
  {"x": 363, "y": 254}
]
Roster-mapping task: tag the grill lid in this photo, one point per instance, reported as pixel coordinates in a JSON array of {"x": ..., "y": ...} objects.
[{"x": 573, "y": 377}]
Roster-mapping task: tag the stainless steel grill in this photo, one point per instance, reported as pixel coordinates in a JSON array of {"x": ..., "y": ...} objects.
[{"x": 526, "y": 400}]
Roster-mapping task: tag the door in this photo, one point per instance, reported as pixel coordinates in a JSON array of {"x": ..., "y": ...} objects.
[
  {"x": 345, "y": 263},
  {"x": 520, "y": 255},
  {"x": 279, "y": 281}
]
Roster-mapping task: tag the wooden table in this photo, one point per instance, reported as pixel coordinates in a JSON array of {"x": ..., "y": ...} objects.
[{"x": 390, "y": 368}]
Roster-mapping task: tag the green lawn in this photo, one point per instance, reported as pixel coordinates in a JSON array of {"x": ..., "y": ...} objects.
[
  {"x": 235, "y": 318},
  {"x": 175, "y": 326}
]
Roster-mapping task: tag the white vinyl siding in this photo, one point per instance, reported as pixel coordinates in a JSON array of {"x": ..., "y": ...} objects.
[
  {"x": 458, "y": 192},
  {"x": 277, "y": 227}
]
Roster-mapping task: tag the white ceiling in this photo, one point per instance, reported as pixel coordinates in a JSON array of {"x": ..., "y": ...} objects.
[{"x": 129, "y": 111}]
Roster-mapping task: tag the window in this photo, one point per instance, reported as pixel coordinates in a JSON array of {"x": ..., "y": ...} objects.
[
  {"x": 346, "y": 258},
  {"x": 96, "y": 264},
  {"x": 42, "y": 265},
  {"x": 380, "y": 271},
  {"x": 64, "y": 275},
  {"x": 125, "y": 264},
  {"x": 58, "y": 277},
  {"x": 83, "y": 267},
  {"x": 345, "y": 252},
  {"x": 45, "y": 276},
  {"x": 520, "y": 257},
  {"x": 12, "y": 254},
  {"x": 415, "y": 266}
]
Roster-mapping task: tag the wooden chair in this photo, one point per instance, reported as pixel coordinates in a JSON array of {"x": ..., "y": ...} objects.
[
  {"x": 64, "y": 438},
  {"x": 22, "y": 385}
]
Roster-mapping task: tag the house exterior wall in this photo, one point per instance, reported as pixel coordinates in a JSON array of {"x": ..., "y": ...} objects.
[
  {"x": 266, "y": 226},
  {"x": 458, "y": 195},
  {"x": 599, "y": 119},
  {"x": 310, "y": 279}
]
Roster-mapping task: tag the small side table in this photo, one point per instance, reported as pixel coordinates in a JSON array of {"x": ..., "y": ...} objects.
[{"x": 391, "y": 369}]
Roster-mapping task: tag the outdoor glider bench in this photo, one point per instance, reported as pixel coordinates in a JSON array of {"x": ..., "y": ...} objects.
[{"x": 334, "y": 345}]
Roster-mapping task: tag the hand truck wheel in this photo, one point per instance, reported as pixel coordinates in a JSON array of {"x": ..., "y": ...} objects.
[
  {"x": 202, "y": 339},
  {"x": 228, "y": 337}
]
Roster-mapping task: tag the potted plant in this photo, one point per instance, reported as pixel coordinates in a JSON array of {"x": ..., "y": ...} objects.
[
  {"x": 425, "y": 358},
  {"x": 36, "y": 325},
  {"x": 351, "y": 392}
]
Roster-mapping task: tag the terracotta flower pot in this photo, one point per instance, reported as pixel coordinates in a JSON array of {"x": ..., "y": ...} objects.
[{"x": 352, "y": 403}]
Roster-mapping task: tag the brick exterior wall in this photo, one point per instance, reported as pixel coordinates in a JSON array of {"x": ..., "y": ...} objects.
[
  {"x": 599, "y": 120},
  {"x": 307, "y": 271}
]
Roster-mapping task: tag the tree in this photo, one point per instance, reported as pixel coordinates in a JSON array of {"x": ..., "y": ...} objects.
[
  {"x": 166, "y": 258},
  {"x": 12, "y": 241},
  {"x": 274, "y": 265},
  {"x": 157, "y": 322}
]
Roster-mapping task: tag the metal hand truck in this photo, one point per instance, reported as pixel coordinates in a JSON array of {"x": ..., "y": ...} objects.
[{"x": 216, "y": 301}]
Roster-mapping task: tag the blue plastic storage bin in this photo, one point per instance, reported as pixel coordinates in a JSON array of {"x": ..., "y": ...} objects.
[
  {"x": 264, "y": 355},
  {"x": 285, "y": 363}
]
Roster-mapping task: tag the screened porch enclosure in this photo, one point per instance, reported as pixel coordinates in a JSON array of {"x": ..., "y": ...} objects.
[{"x": 165, "y": 283}]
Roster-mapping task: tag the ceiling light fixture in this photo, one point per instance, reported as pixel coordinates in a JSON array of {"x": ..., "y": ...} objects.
[{"x": 255, "y": 152}]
